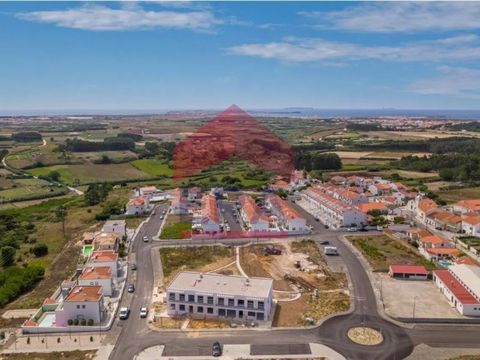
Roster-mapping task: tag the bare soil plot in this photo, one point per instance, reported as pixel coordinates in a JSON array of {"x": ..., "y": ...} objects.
[
  {"x": 60, "y": 355},
  {"x": 207, "y": 324},
  {"x": 459, "y": 194}
]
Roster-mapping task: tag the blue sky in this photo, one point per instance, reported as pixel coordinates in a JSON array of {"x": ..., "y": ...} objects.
[{"x": 153, "y": 55}]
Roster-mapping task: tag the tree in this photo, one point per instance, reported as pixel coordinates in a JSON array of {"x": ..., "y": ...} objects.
[
  {"x": 7, "y": 255},
  {"x": 105, "y": 159},
  {"x": 40, "y": 250},
  {"x": 53, "y": 176}
]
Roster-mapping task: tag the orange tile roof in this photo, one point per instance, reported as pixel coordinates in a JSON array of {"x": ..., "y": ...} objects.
[
  {"x": 209, "y": 208},
  {"x": 283, "y": 207},
  {"x": 49, "y": 301},
  {"x": 471, "y": 220},
  {"x": 96, "y": 272},
  {"x": 443, "y": 251},
  {"x": 251, "y": 210},
  {"x": 383, "y": 186},
  {"x": 433, "y": 239},
  {"x": 103, "y": 256},
  {"x": 85, "y": 293},
  {"x": 280, "y": 184},
  {"x": 137, "y": 201},
  {"x": 147, "y": 189},
  {"x": 30, "y": 322},
  {"x": 427, "y": 204},
  {"x": 470, "y": 204},
  {"x": 365, "y": 208},
  {"x": 466, "y": 260}
]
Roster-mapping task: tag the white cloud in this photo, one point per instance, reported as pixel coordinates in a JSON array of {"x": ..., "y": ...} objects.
[
  {"x": 401, "y": 16},
  {"x": 102, "y": 18},
  {"x": 464, "y": 47},
  {"x": 456, "y": 81}
]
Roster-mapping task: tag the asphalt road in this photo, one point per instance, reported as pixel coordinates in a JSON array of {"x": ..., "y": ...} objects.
[{"x": 134, "y": 335}]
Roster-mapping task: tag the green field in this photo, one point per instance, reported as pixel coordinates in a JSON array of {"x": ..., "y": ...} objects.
[
  {"x": 153, "y": 167},
  {"x": 86, "y": 173},
  {"x": 25, "y": 189},
  {"x": 177, "y": 227}
]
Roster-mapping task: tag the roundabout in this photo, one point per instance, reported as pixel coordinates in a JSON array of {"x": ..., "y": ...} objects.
[{"x": 365, "y": 336}]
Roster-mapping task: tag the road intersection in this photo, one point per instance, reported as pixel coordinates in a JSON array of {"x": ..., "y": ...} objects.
[{"x": 134, "y": 335}]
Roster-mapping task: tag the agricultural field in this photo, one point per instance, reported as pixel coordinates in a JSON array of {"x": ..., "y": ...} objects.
[
  {"x": 18, "y": 189},
  {"x": 382, "y": 251},
  {"x": 454, "y": 195},
  {"x": 88, "y": 173},
  {"x": 153, "y": 167}
]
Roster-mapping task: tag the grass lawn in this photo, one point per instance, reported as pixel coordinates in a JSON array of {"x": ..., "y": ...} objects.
[
  {"x": 191, "y": 258},
  {"x": 454, "y": 195},
  {"x": 382, "y": 251},
  {"x": 177, "y": 227},
  {"x": 88, "y": 172},
  {"x": 153, "y": 167}
]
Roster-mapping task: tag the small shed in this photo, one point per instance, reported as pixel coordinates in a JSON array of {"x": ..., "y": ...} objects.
[{"x": 408, "y": 272}]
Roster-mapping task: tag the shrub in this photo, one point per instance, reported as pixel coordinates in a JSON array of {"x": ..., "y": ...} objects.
[
  {"x": 90, "y": 322},
  {"x": 75, "y": 322},
  {"x": 40, "y": 250},
  {"x": 70, "y": 322},
  {"x": 83, "y": 322}
]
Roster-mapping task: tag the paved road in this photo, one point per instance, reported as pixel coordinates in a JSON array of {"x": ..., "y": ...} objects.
[{"x": 399, "y": 342}]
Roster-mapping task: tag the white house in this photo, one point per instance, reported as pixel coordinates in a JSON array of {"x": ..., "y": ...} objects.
[
  {"x": 251, "y": 214},
  {"x": 289, "y": 218},
  {"x": 471, "y": 225},
  {"x": 97, "y": 276},
  {"x": 138, "y": 205},
  {"x": 104, "y": 258},
  {"x": 83, "y": 302},
  {"x": 461, "y": 286},
  {"x": 148, "y": 191},
  {"x": 116, "y": 226},
  {"x": 210, "y": 220},
  {"x": 209, "y": 295},
  {"x": 467, "y": 206},
  {"x": 193, "y": 193},
  {"x": 178, "y": 203}
]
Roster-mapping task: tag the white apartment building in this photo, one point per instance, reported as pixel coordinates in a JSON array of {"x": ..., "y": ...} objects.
[
  {"x": 288, "y": 218},
  {"x": 97, "y": 276},
  {"x": 179, "y": 204},
  {"x": 208, "y": 295},
  {"x": 461, "y": 286},
  {"x": 210, "y": 220},
  {"x": 331, "y": 211}
]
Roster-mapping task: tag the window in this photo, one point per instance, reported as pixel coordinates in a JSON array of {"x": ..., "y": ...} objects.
[
  {"x": 251, "y": 313},
  {"x": 78, "y": 306},
  {"x": 200, "y": 309},
  {"x": 83, "y": 306},
  {"x": 171, "y": 296},
  {"x": 231, "y": 302},
  {"x": 221, "y": 312},
  {"x": 181, "y": 308},
  {"x": 172, "y": 306},
  {"x": 210, "y": 300},
  {"x": 260, "y": 316},
  {"x": 241, "y": 302},
  {"x": 209, "y": 310},
  {"x": 191, "y": 298},
  {"x": 220, "y": 301},
  {"x": 250, "y": 304},
  {"x": 261, "y": 305},
  {"x": 182, "y": 297},
  {"x": 200, "y": 299}
]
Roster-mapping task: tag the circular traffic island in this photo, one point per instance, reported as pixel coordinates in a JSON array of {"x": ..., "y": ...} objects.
[{"x": 365, "y": 336}]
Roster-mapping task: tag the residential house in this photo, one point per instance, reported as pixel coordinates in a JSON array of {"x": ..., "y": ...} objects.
[
  {"x": 116, "y": 226},
  {"x": 253, "y": 217},
  {"x": 82, "y": 303},
  {"x": 466, "y": 206},
  {"x": 104, "y": 258},
  {"x": 178, "y": 203},
  {"x": 424, "y": 207},
  {"x": 106, "y": 241},
  {"x": 210, "y": 221},
  {"x": 288, "y": 218},
  {"x": 436, "y": 248},
  {"x": 471, "y": 225},
  {"x": 138, "y": 205},
  {"x": 193, "y": 193},
  {"x": 298, "y": 179},
  {"x": 97, "y": 276},
  {"x": 209, "y": 295}
]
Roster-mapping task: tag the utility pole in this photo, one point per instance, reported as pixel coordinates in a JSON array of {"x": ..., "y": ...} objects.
[{"x": 413, "y": 310}]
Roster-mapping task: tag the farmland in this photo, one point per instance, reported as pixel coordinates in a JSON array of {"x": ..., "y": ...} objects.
[{"x": 153, "y": 167}]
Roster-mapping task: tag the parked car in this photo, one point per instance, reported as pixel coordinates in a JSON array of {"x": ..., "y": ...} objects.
[
  {"x": 326, "y": 226},
  {"x": 317, "y": 219},
  {"x": 352, "y": 229},
  {"x": 134, "y": 266},
  {"x": 164, "y": 212},
  {"x": 216, "y": 349},
  {"x": 324, "y": 242},
  {"x": 145, "y": 239},
  {"x": 123, "y": 314},
  {"x": 143, "y": 312},
  {"x": 154, "y": 212},
  {"x": 131, "y": 288}
]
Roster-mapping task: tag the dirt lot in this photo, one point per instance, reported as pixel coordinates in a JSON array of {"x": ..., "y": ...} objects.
[
  {"x": 60, "y": 355},
  {"x": 459, "y": 194}
]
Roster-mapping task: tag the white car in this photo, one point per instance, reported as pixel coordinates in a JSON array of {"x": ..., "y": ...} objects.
[
  {"x": 123, "y": 314},
  {"x": 352, "y": 229},
  {"x": 143, "y": 312},
  {"x": 145, "y": 239}
]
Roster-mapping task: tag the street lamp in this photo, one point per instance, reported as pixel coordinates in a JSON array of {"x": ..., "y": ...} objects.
[{"x": 413, "y": 310}]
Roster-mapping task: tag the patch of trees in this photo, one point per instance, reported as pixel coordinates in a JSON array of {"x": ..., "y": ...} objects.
[
  {"x": 40, "y": 250},
  {"x": 97, "y": 193},
  {"x": 316, "y": 146},
  {"x": 27, "y": 136},
  {"x": 133, "y": 136},
  {"x": 451, "y": 167},
  {"x": 436, "y": 146},
  {"x": 317, "y": 161},
  {"x": 363, "y": 127},
  {"x": 15, "y": 281},
  {"x": 467, "y": 126},
  {"x": 114, "y": 207},
  {"x": 108, "y": 144}
]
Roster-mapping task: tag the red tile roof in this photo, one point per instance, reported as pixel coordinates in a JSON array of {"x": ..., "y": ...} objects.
[
  {"x": 283, "y": 207},
  {"x": 433, "y": 239},
  {"x": 409, "y": 269},
  {"x": 251, "y": 210},
  {"x": 137, "y": 201},
  {"x": 85, "y": 293},
  {"x": 103, "y": 256},
  {"x": 443, "y": 251},
  {"x": 427, "y": 204},
  {"x": 457, "y": 289},
  {"x": 209, "y": 208},
  {"x": 94, "y": 273},
  {"x": 365, "y": 208},
  {"x": 471, "y": 204}
]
